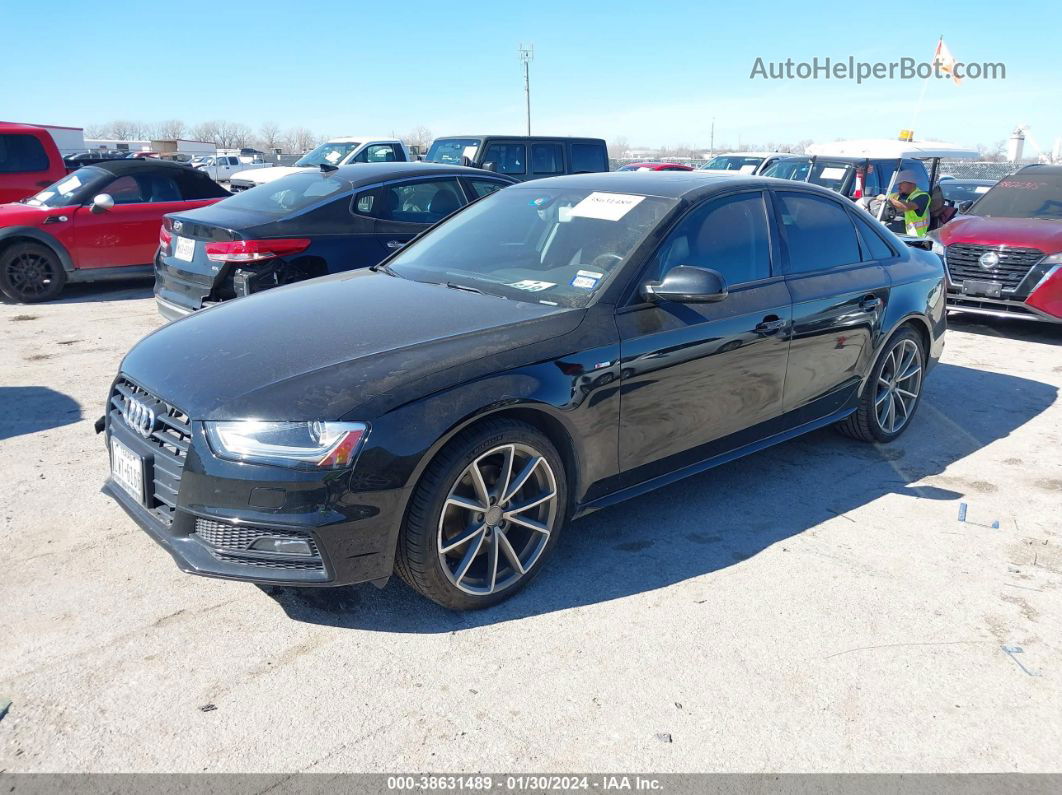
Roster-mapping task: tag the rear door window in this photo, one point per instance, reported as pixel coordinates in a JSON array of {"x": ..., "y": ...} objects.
[
  {"x": 484, "y": 187},
  {"x": 874, "y": 245},
  {"x": 19, "y": 153},
  {"x": 507, "y": 158},
  {"x": 376, "y": 153},
  {"x": 818, "y": 232},
  {"x": 412, "y": 201},
  {"x": 547, "y": 159},
  {"x": 588, "y": 158}
]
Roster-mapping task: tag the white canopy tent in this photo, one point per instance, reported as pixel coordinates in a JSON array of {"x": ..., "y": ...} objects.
[{"x": 890, "y": 147}]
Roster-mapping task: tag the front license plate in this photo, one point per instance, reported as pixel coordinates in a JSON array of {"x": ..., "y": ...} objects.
[
  {"x": 127, "y": 470},
  {"x": 183, "y": 248},
  {"x": 987, "y": 289}
]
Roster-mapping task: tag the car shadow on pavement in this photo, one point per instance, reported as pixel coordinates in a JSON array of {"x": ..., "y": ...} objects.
[
  {"x": 717, "y": 519},
  {"x": 29, "y": 409},
  {"x": 97, "y": 292},
  {"x": 1023, "y": 330}
]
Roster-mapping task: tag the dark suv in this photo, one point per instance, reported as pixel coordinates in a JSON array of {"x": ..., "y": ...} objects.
[
  {"x": 555, "y": 348},
  {"x": 522, "y": 157}
]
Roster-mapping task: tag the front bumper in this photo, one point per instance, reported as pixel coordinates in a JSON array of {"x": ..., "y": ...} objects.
[
  {"x": 352, "y": 533},
  {"x": 997, "y": 307}
]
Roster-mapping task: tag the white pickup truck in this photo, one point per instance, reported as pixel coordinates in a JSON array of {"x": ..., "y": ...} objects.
[
  {"x": 336, "y": 152},
  {"x": 222, "y": 167}
]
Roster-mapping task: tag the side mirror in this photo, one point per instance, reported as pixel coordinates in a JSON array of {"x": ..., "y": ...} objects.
[
  {"x": 102, "y": 202},
  {"x": 490, "y": 166},
  {"x": 964, "y": 207},
  {"x": 687, "y": 285},
  {"x": 465, "y": 161}
]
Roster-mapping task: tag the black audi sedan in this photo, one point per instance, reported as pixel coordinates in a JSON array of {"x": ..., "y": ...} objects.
[
  {"x": 553, "y": 349},
  {"x": 304, "y": 225}
]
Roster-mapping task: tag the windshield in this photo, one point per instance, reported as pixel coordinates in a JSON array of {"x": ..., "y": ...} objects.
[
  {"x": 551, "y": 246},
  {"x": 746, "y": 165},
  {"x": 828, "y": 174},
  {"x": 290, "y": 194},
  {"x": 331, "y": 153},
  {"x": 451, "y": 150},
  {"x": 1029, "y": 195},
  {"x": 955, "y": 191},
  {"x": 76, "y": 188}
]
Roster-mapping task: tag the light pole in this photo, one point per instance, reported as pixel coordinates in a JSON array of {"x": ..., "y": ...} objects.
[{"x": 527, "y": 53}]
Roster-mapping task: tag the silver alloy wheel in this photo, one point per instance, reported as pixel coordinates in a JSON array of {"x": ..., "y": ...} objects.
[
  {"x": 497, "y": 519},
  {"x": 899, "y": 384}
]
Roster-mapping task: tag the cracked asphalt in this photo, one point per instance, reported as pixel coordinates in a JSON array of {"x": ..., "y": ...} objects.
[{"x": 817, "y": 607}]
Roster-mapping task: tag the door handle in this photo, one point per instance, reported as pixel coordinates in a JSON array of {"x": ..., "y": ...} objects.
[
  {"x": 770, "y": 324},
  {"x": 870, "y": 303},
  {"x": 395, "y": 244}
]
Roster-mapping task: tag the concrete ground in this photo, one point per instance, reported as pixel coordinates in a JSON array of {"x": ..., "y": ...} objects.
[{"x": 815, "y": 607}]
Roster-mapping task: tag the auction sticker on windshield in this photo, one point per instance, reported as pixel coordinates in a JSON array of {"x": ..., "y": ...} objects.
[
  {"x": 586, "y": 280},
  {"x": 532, "y": 286},
  {"x": 183, "y": 248},
  {"x": 606, "y": 206}
]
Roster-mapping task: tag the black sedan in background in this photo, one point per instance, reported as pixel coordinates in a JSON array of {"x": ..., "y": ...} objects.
[
  {"x": 558, "y": 347},
  {"x": 305, "y": 225}
]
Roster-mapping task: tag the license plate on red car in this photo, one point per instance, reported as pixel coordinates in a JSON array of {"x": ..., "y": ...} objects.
[{"x": 987, "y": 289}]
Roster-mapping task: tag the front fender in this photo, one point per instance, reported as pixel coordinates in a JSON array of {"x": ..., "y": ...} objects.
[{"x": 38, "y": 236}]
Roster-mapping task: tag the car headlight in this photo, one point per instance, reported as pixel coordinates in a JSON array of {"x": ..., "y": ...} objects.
[
  {"x": 937, "y": 248},
  {"x": 1054, "y": 259},
  {"x": 303, "y": 445}
]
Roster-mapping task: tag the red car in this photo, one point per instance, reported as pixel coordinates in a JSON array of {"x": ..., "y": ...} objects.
[
  {"x": 651, "y": 165},
  {"x": 100, "y": 222},
  {"x": 1003, "y": 254},
  {"x": 29, "y": 161}
]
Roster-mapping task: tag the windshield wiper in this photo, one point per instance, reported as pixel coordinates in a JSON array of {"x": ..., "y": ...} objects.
[{"x": 455, "y": 286}]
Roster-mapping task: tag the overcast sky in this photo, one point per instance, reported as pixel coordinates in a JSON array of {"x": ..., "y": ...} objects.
[{"x": 655, "y": 73}]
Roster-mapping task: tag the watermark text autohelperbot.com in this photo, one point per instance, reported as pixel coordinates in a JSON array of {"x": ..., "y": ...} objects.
[{"x": 851, "y": 69}]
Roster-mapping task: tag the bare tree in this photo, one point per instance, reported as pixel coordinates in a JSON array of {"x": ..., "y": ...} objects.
[
  {"x": 124, "y": 130},
  {"x": 420, "y": 137},
  {"x": 97, "y": 130},
  {"x": 206, "y": 131},
  {"x": 617, "y": 147},
  {"x": 994, "y": 153},
  {"x": 269, "y": 136},
  {"x": 170, "y": 129},
  {"x": 299, "y": 139}
]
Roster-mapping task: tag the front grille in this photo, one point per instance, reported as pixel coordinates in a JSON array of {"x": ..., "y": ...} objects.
[
  {"x": 963, "y": 263},
  {"x": 227, "y": 542},
  {"x": 170, "y": 438},
  {"x": 236, "y": 187}
]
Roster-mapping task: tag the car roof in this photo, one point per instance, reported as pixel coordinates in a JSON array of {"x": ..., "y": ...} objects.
[
  {"x": 750, "y": 154},
  {"x": 357, "y": 139},
  {"x": 1043, "y": 168},
  {"x": 123, "y": 166},
  {"x": 365, "y": 173},
  {"x": 523, "y": 137},
  {"x": 691, "y": 185}
]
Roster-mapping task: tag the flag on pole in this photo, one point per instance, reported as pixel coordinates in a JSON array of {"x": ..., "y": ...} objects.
[{"x": 945, "y": 60}]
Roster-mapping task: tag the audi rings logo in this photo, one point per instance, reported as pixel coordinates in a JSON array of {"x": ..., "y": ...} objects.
[
  {"x": 139, "y": 417},
  {"x": 989, "y": 260}
]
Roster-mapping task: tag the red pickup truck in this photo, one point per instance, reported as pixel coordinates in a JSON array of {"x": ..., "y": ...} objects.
[
  {"x": 29, "y": 161},
  {"x": 1003, "y": 254}
]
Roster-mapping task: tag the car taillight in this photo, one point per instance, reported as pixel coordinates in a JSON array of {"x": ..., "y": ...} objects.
[
  {"x": 165, "y": 238},
  {"x": 254, "y": 250}
]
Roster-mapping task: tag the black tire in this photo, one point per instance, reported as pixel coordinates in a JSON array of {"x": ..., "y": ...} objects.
[
  {"x": 30, "y": 273},
  {"x": 419, "y": 557},
  {"x": 865, "y": 424}
]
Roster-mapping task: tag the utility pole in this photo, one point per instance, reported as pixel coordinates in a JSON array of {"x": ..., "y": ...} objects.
[
  {"x": 527, "y": 54},
  {"x": 711, "y": 145}
]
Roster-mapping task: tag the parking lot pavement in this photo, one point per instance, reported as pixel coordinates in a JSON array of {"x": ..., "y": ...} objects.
[{"x": 816, "y": 607}]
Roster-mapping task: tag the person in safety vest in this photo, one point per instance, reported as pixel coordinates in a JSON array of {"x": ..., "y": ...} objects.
[{"x": 913, "y": 203}]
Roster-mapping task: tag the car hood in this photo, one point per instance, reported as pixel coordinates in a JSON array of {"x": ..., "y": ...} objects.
[
  {"x": 15, "y": 214},
  {"x": 328, "y": 347},
  {"x": 261, "y": 175},
  {"x": 1019, "y": 232}
]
